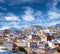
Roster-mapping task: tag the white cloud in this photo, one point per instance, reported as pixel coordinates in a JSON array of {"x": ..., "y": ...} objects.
[
  {"x": 15, "y": 26},
  {"x": 28, "y": 10},
  {"x": 11, "y": 17},
  {"x": 33, "y": 15},
  {"x": 3, "y": 8},
  {"x": 17, "y": 2},
  {"x": 30, "y": 0},
  {"x": 2, "y": 1},
  {"x": 28, "y": 16},
  {"x": 4, "y": 27},
  {"x": 1, "y": 13},
  {"x": 39, "y": 14},
  {"x": 52, "y": 5},
  {"x": 8, "y": 25},
  {"x": 54, "y": 15},
  {"x": 53, "y": 23},
  {"x": 15, "y": 23}
]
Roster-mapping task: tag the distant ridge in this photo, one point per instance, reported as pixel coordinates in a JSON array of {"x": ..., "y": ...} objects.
[{"x": 55, "y": 26}]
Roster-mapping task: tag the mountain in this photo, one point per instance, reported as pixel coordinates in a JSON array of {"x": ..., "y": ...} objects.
[
  {"x": 36, "y": 27},
  {"x": 57, "y": 25},
  {"x": 31, "y": 29}
]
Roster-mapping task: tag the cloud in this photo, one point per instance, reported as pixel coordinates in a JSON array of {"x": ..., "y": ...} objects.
[
  {"x": 17, "y": 2},
  {"x": 1, "y": 13},
  {"x": 9, "y": 25},
  {"x": 34, "y": 16},
  {"x": 2, "y": 1},
  {"x": 54, "y": 15},
  {"x": 15, "y": 23},
  {"x": 52, "y": 4},
  {"x": 53, "y": 23},
  {"x": 38, "y": 14},
  {"x": 12, "y": 17},
  {"x": 9, "y": 21},
  {"x": 28, "y": 16},
  {"x": 4, "y": 27},
  {"x": 3, "y": 8},
  {"x": 53, "y": 18}
]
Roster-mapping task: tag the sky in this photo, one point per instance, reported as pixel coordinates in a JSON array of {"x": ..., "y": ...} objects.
[{"x": 15, "y": 14}]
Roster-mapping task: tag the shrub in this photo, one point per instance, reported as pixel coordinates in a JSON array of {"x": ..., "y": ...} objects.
[
  {"x": 22, "y": 49},
  {"x": 4, "y": 49}
]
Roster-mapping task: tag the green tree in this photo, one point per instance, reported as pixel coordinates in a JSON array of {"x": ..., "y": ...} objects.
[{"x": 22, "y": 49}]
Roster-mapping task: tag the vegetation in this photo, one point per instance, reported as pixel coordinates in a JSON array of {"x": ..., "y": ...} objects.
[
  {"x": 5, "y": 49},
  {"x": 22, "y": 49}
]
